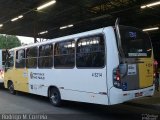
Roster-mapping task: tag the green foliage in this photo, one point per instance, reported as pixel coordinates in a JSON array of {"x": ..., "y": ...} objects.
[{"x": 9, "y": 41}]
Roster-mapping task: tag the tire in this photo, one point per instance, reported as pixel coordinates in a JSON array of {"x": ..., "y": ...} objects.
[
  {"x": 11, "y": 88},
  {"x": 55, "y": 97}
]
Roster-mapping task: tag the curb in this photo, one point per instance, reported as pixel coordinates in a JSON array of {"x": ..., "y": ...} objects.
[{"x": 149, "y": 106}]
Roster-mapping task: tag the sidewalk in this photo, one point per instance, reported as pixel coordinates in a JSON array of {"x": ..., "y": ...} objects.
[{"x": 148, "y": 102}]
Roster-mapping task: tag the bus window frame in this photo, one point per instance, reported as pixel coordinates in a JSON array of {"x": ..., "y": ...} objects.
[
  {"x": 105, "y": 50},
  {"x": 73, "y": 39},
  {"x": 22, "y": 58},
  {"x": 31, "y": 57},
  {"x": 38, "y": 56}
]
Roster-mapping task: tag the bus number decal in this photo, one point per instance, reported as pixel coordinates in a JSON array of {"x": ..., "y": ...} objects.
[{"x": 96, "y": 74}]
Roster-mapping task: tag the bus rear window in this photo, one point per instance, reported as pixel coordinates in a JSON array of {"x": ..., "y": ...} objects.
[{"x": 135, "y": 43}]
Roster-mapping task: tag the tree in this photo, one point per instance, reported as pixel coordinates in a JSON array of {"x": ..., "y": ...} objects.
[{"x": 9, "y": 41}]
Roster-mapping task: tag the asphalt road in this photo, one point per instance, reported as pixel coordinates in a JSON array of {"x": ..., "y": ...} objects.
[{"x": 23, "y": 103}]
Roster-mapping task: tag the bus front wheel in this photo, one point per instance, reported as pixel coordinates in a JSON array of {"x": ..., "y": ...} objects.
[
  {"x": 55, "y": 97},
  {"x": 11, "y": 88}
]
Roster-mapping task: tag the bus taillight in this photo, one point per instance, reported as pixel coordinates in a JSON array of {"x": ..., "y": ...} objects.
[
  {"x": 116, "y": 78},
  {"x": 117, "y": 75}
]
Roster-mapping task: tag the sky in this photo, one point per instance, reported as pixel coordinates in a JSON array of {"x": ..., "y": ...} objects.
[{"x": 26, "y": 40}]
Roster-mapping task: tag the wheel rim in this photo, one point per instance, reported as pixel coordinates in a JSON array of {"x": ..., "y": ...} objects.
[
  {"x": 54, "y": 98},
  {"x": 11, "y": 88}
]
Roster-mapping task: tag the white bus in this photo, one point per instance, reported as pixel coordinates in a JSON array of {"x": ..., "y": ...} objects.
[
  {"x": 2, "y": 64},
  {"x": 105, "y": 66}
]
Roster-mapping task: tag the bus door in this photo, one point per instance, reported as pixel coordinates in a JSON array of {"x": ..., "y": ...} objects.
[
  {"x": 21, "y": 72},
  {"x": 137, "y": 58}
]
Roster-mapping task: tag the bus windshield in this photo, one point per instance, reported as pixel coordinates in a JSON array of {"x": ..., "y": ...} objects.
[{"x": 135, "y": 43}]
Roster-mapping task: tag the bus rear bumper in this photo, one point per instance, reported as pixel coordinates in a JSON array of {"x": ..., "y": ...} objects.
[{"x": 118, "y": 96}]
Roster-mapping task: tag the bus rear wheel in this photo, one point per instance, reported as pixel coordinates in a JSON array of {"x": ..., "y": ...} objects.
[
  {"x": 11, "y": 88},
  {"x": 55, "y": 97}
]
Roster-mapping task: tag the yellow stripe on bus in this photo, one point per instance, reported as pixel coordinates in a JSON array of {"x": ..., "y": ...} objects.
[{"x": 19, "y": 79}]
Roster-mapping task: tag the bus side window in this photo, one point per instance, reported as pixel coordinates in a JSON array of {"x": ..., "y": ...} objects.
[
  {"x": 20, "y": 58},
  {"x": 90, "y": 52},
  {"x": 45, "y": 59},
  {"x": 64, "y": 55},
  {"x": 31, "y": 57}
]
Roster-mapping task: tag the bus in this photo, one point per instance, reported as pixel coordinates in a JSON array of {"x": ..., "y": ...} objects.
[
  {"x": 2, "y": 64},
  {"x": 105, "y": 66}
]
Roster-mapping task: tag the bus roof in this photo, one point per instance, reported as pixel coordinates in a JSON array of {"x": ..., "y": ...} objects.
[{"x": 74, "y": 36}]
